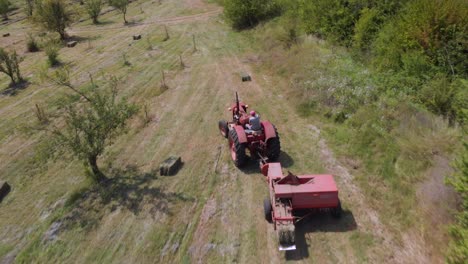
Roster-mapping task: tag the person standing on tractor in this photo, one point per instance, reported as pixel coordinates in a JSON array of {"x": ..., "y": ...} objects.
[{"x": 254, "y": 122}]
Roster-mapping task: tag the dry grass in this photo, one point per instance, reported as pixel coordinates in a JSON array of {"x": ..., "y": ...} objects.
[{"x": 211, "y": 212}]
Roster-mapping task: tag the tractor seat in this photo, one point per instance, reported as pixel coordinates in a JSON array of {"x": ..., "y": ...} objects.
[{"x": 253, "y": 132}]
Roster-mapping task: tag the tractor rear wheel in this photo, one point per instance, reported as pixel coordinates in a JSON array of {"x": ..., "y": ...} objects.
[
  {"x": 223, "y": 128},
  {"x": 273, "y": 147},
  {"x": 267, "y": 210},
  {"x": 336, "y": 212},
  {"x": 237, "y": 149}
]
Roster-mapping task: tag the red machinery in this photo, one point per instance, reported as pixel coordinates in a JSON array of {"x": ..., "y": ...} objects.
[
  {"x": 264, "y": 143},
  {"x": 291, "y": 194}
]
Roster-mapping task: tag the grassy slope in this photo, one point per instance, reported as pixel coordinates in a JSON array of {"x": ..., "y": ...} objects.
[{"x": 210, "y": 211}]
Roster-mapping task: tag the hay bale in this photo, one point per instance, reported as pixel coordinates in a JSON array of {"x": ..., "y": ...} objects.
[
  {"x": 72, "y": 44},
  {"x": 4, "y": 189},
  {"x": 136, "y": 37},
  {"x": 6, "y": 35},
  {"x": 170, "y": 166},
  {"x": 246, "y": 77}
]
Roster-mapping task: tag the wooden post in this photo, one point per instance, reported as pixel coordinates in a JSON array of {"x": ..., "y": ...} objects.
[
  {"x": 167, "y": 33},
  {"x": 163, "y": 85},
  {"x": 182, "y": 65},
  {"x": 194, "y": 43}
]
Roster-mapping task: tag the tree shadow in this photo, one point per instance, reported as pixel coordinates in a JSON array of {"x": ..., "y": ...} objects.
[
  {"x": 127, "y": 189},
  {"x": 80, "y": 39},
  {"x": 13, "y": 90},
  {"x": 319, "y": 222}
]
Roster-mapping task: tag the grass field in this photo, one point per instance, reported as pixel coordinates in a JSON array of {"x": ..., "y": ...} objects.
[{"x": 210, "y": 212}]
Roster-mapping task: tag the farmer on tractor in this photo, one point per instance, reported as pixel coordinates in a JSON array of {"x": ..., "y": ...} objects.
[{"x": 254, "y": 122}]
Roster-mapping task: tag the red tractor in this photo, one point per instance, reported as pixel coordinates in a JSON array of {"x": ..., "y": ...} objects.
[{"x": 263, "y": 144}]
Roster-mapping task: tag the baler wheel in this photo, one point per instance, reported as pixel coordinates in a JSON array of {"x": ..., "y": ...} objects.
[
  {"x": 336, "y": 212},
  {"x": 267, "y": 210},
  {"x": 223, "y": 128},
  {"x": 237, "y": 149}
]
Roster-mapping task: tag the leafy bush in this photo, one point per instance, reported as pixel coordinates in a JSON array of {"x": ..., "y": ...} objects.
[
  {"x": 31, "y": 44},
  {"x": 332, "y": 19},
  {"x": 5, "y": 6},
  {"x": 53, "y": 15},
  {"x": 437, "y": 35},
  {"x": 93, "y": 7},
  {"x": 52, "y": 48},
  {"x": 9, "y": 64},
  {"x": 248, "y": 13}
]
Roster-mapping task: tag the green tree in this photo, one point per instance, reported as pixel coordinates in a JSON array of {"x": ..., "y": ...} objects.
[
  {"x": 93, "y": 7},
  {"x": 122, "y": 6},
  {"x": 248, "y": 13},
  {"x": 53, "y": 15},
  {"x": 5, "y": 6},
  {"x": 29, "y": 7},
  {"x": 93, "y": 123},
  {"x": 9, "y": 64}
]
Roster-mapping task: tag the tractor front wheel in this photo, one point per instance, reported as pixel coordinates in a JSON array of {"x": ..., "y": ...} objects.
[
  {"x": 223, "y": 128},
  {"x": 237, "y": 149}
]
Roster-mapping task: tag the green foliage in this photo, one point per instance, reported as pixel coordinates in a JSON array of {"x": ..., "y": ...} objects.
[
  {"x": 5, "y": 6},
  {"x": 436, "y": 36},
  {"x": 248, "y": 13},
  {"x": 31, "y": 44},
  {"x": 30, "y": 7},
  {"x": 52, "y": 47},
  {"x": 53, "y": 15},
  {"x": 333, "y": 19},
  {"x": 92, "y": 124},
  {"x": 445, "y": 97},
  {"x": 458, "y": 248},
  {"x": 9, "y": 64},
  {"x": 93, "y": 7},
  {"x": 122, "y": 6},
  {"x": 366, "y": 28}
]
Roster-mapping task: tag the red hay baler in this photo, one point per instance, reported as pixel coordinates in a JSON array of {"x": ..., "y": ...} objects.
[{"x": 291, "y": 194}]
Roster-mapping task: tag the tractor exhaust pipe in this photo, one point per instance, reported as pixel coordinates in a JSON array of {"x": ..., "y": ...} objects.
[{"x": 237, "y": 105}]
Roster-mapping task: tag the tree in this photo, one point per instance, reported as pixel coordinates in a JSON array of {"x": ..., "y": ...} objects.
[
  {"x": 53, "y": 15},
  {"x": 9, "y": 64},
  {"x": 29, "y": 7},
  {"x": 4, "y": 8},
  {"x": 121, "y": 5},
  {"x": 92, "y": 123},
  {"x": 248, "y": 13},
  {"x": 93, "y": 7}
]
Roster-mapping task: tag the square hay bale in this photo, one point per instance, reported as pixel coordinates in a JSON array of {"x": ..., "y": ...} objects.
[
  {"x": 170, "y": 166},
  {"x": 136, "y": 37},
  {"x": 4, "y": 189},
  {"x": 72, "y": 44},
  {"x": 6, "y": 35},
  {"x": 246, "y": 77}
]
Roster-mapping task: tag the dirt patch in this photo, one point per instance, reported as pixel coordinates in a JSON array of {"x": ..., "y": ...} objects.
[
  {"x": 437, "y": 201},
  {"x": 199, "y": 246}
]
